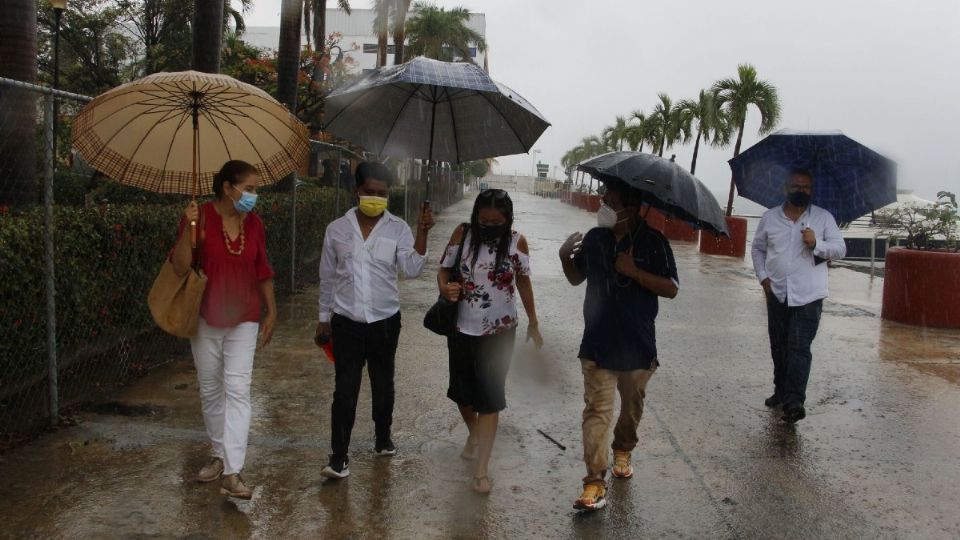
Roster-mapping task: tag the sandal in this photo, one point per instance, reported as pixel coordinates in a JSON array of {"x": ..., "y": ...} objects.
[{"x": 481, "y": 485}]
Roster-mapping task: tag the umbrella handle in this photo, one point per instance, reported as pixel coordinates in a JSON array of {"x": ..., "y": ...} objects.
[{"x": 193, "y": 234}]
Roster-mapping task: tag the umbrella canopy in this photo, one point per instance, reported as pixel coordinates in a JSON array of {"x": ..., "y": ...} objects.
[
  {"x": 666, "y": 185},
  {"x": 434, "y": 110},
  {"x": 849, "y": 179},
  {"x": 171, "y": 132}
]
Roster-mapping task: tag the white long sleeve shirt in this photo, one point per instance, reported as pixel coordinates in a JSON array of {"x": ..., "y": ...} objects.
[
  {"x": 780, "y": 254},
  {"x": 358, "y": 278}
]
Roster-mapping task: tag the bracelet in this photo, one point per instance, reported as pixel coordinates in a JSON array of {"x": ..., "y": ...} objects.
[{"x": 533, "y": 324}]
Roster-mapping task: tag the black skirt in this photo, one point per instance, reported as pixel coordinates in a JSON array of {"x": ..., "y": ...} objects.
[{"x": 478, "y": 370}]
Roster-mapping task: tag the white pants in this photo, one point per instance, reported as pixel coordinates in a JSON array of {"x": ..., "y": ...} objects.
[{"x": 224, "y": 361}]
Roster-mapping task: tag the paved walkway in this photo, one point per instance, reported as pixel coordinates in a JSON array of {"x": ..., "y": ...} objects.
[{"x": 878, "y": 456}]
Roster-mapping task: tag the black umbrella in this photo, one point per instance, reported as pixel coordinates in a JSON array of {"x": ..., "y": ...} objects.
[
  {"x": 433, "y": 110},
  {"x": 666, "y": 186}
]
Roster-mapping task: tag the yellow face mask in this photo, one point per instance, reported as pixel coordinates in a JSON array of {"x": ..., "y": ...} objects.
[{"x": 372, "y": 206}]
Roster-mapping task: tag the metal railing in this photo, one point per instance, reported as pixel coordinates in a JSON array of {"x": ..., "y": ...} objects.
[{"x": 74, "y": 335}]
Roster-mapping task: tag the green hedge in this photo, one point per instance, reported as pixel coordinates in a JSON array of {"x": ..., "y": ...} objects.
[
  {"x": 316, "y": 207},
  {"x": 106, "y": 258}
]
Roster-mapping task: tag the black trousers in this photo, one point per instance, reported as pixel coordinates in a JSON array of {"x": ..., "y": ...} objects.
[
  {"x": 791, "y": 331},
  {"x": 355, "y": 344}
]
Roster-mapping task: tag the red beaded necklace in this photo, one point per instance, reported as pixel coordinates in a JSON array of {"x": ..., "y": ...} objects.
[{"x": 241, "y": 240}]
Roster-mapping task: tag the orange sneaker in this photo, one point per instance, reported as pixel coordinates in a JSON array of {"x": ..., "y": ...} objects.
[
  {"x": 592, "y": 498},
  {"x": 621, "y": 464}
]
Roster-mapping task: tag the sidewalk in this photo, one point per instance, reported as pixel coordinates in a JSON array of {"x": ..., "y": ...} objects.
[{"x": 878, "y": 456}]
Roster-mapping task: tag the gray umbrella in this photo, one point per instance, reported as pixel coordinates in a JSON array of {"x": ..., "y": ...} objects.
[
  {"x": 666, "y": 186},
  {"x": 428, "y": 109}
]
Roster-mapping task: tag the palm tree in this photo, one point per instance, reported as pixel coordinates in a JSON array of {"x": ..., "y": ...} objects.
[
  {"x": 208, "y": 21},
  {"x": 18, "y": 48},
  {"x": 288, "y": 53},
  {"x": 398, "y": 20},
  {"x": 315, "y": 20},
  {"x": 444, "y": 35},
  {"x": 735, "y": 96},
  {"x": 615, "y": 135},
  {"x": 670, "y": 123},
  {"x": 712, "y": 126},
  {"x": 231, "y": 13},
  {"x": 381, "y": 27},
  {"x": 644, "y": 131}
]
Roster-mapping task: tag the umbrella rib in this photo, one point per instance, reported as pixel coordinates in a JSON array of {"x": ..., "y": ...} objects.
[
  {"x": 166, "y": 160},
  {"x": 397, "y": 118},
  {"x": 453, "y": 119},
  {"x": 506, "y": 120},
  {"x": 207, "y": 113},
  {"x": 126, "y": 167},
  {"x": 357, "y": 98},
  {"x": 106, "y": 143},
  {"x": 222, "y": 138},
  {"x": 257, "y": 150},
  {"x": 154, "y": 108}
]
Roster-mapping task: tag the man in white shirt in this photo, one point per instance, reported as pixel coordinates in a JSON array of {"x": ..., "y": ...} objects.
[
  {"x": 790, "y": 248},
  {"x": 363, "y": 251}
]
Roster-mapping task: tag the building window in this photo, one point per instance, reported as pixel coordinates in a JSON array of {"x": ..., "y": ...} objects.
[{"x": 371, "y": 48}]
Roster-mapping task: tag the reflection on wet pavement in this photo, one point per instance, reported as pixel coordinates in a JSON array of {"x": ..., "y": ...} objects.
[{"x": 877, "y": 456}]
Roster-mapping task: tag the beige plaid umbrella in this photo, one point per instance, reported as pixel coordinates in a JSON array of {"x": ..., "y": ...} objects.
[{"x": 171, "y": 132}]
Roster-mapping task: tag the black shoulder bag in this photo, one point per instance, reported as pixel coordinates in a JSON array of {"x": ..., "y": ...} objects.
[{"x": 441, "y": 318}]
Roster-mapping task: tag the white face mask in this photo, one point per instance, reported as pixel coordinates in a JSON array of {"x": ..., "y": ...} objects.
[{"x": 606, "y": 217}]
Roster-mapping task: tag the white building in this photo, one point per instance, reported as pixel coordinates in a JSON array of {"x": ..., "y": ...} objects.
[{"x": 359, "y": 41}]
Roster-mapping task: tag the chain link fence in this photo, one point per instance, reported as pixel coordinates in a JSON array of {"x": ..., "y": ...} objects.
[{"x": 78, "y": 254}]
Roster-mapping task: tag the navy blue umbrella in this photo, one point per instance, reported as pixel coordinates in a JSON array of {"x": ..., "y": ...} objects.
[
  {"x": 666, "y": 186},
  {"x": 850, "y": 180}
]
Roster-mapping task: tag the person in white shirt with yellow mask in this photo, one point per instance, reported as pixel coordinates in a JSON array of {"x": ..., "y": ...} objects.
[
  {"x": 363, "y": 252},
  {"x": 790, "y": 250}
]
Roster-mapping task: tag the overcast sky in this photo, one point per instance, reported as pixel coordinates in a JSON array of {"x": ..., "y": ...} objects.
[{"x": 882, "y": 71}]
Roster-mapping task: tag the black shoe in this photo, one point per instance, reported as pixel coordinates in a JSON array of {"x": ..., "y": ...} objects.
[
  {"x": 337, "y": 468},
  {"x": 773, "y": 401},
  {"x": 385, "y": 448},
  {"x": 793, "y": 413}
]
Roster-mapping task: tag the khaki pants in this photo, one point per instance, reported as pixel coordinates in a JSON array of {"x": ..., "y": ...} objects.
[{"x": 599, "y": 387}]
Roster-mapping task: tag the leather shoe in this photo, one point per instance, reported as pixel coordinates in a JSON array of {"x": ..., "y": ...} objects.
[
  {"x": 793, "y": 412},
  {"x": 773, "y": 401}
]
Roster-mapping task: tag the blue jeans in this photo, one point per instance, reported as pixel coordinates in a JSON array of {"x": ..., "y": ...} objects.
[{"x": 792, "y": 330}]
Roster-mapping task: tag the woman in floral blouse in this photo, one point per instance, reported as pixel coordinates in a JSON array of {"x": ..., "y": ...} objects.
[{"x": 494, "y": 269}]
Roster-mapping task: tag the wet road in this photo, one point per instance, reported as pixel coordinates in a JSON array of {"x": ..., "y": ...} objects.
[{"x": 878, "y": 456}]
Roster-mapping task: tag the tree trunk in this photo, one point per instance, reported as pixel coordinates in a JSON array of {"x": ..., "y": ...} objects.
[
  {"x": 399, "y": 31},
  {"x": 18, "y": 108},
  {"x": 288, "y": 64},
  {"x": 736, "y": 152},
  {"x": 320, "y": 26},
  {"x": 641, "y": 147},
  {"x": 663, "y": 142},
  {"x": 207, "y": 35},
  {"x": 696, "y": 150},
  {"x": 398, "y": 39},
  {"x": 288, "y": 53},
  {"x": 382, "y": 49}
]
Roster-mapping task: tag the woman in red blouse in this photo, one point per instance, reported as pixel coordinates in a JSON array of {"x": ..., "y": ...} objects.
[{"x": 233, "y": 255}]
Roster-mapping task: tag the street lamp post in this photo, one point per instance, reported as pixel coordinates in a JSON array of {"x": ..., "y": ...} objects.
[
  {"x": 324, "y": 76},
  {"x": 533, "y": 167},
  {"x": 58, "y": 7}
]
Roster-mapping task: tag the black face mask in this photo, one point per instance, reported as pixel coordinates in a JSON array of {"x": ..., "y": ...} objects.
[
  {"x": 798, "y": 198},
  {"x": 490, "y": 233}
]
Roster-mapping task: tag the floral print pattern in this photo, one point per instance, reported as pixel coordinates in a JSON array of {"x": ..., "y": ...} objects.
[{"x": 488, "y": 305}]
